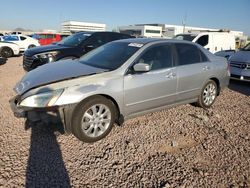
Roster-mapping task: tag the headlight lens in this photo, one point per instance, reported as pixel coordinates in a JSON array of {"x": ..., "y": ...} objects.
[
  {"x": 46, "y": 99},
  {"x": 49, "y": 56}
]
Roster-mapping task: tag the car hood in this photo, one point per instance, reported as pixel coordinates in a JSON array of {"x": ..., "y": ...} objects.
[
  {"x": 241, "y": 56},
  {"x": 47, "y": 48},
  {"x": 54, "y": 72}
]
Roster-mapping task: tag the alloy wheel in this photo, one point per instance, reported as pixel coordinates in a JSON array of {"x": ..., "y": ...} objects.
[
  {"x": 209, "y": 94},
  {"x": 96, "y": 120}
]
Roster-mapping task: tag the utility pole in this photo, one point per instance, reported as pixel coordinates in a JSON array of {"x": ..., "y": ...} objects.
[{"x": 184, "y": 22}]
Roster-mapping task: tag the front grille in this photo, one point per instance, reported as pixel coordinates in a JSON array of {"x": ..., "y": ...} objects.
[
  {"x": 27, "y": 61},
  {"x": 247, "y": 78},
  {"x": 235, "y": 76},
  {"x": 239, "y": 77},
  {"x": 240, "y": 65}
]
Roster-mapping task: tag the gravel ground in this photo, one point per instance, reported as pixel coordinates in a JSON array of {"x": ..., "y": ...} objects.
[{"x": 181, "y": 147}]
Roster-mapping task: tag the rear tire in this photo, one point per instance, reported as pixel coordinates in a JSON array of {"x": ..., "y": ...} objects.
[
  {"x": 6, "y": 52},
  {"x": 208, "y": 94},
  {"x": 93, "y": 119}
]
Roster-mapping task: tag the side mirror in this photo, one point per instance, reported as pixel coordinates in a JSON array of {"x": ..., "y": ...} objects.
[
  {"x": 89, "y": 48},
  {"x": 142, "y": 67}
]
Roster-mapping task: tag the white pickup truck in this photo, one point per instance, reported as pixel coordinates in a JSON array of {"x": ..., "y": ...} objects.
[{"x": 8, "y": 49}]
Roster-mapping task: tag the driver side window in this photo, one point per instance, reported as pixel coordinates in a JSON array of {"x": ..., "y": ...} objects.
[{"x": 158, "y": 57}]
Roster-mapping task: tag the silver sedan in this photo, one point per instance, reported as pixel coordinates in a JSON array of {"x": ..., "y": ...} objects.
[{"x": 118, "y": 81}]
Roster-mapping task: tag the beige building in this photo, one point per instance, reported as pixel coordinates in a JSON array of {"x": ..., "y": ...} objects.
[{"x": 75, "y": 26}]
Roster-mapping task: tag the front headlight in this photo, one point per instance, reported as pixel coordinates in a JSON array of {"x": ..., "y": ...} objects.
[
  {"x": 49, "y": 56},
  {"x": 46, "y": 99}
]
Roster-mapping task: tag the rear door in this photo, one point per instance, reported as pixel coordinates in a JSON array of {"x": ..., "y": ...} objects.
[
  {"x": 193, "y": 69},
  {"x": 156, "y": 88}
]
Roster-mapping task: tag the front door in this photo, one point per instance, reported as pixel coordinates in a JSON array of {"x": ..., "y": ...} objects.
[{"x": 156, "y": 88}]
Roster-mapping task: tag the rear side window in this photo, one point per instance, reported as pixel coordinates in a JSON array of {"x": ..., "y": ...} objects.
[
  {"x": 121, "y": 36},
  {"x": 108, "y": 37},
  {"x": 203, "y": 40},
  {"x": 203, "y": 57},
  {"x": 22, "y": 38},
  {"x": 187, "y": 54},
  {"x": 96, "y": 40}
]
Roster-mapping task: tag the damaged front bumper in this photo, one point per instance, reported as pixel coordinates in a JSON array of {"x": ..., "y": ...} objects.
[
  {"x": 56, "y": 114},
  {"x": 18, "y": 112}
]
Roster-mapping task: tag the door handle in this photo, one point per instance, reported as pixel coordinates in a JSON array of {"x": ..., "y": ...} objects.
[
  {"x": 170, "y": 75},
  {"x": 206, "y": 68}
]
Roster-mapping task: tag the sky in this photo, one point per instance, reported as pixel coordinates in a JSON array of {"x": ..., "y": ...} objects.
[{"x": 48, "y": 14}]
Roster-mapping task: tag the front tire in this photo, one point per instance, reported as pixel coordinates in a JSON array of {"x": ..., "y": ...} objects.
[
  {"x": 93, "y": 119},
  {"x": 6, "y": 52},
  {"x": 208, "y": 94}
]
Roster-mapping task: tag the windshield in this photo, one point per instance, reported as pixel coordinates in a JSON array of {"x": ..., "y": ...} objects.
[
  {"x": 110, "y": 56},
  {"x": 247, "y": 47},
  {"x": 185, "y": 37},
  {"x": 10, "y": 38},
  {"x": 74, "y": 40}
]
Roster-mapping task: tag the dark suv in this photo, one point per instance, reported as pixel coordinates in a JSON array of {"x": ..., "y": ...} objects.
[{"x": 71, "y": 47}]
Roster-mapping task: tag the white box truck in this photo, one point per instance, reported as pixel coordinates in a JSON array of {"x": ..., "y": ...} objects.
[{"x": 212, "y": 41}]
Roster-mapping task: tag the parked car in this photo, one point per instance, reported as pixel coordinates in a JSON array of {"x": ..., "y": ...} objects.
[
  {"x": 212, "y": 41},
  {"x": 16, "y": 33},
  {"x": 71, "y": 47},
  {"x": 118, "y": 81},
  {"x": 63, "y": 36},
  {"x": 240, "y": 64},
  {"x": 47, "y": 38},
  {"x": 24, "y": 42},
  {"x": 225, "y": 53},
  {"x": 8, "y": 49}
]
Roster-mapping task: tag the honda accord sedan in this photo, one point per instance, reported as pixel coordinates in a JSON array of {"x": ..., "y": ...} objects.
[{"x": 118, "y": 81}]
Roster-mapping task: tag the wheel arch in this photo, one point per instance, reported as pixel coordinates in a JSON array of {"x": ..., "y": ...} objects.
[
  {"x": 217, "y": 81},
  {"x": 114, "y": 101},
  {"x": 119, "y": 116}
]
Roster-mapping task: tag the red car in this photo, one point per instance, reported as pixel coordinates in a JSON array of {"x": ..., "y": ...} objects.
[{"x": 46, "y": 38}]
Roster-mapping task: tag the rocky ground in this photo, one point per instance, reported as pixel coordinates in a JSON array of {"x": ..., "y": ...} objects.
[{"x": 181, "y": 147}]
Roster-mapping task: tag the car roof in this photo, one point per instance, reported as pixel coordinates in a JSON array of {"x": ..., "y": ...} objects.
[
  {"x": 93, "y": 32},
  {"x": 141, "y": 40},
  {"x": 152, "y": 40}
]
